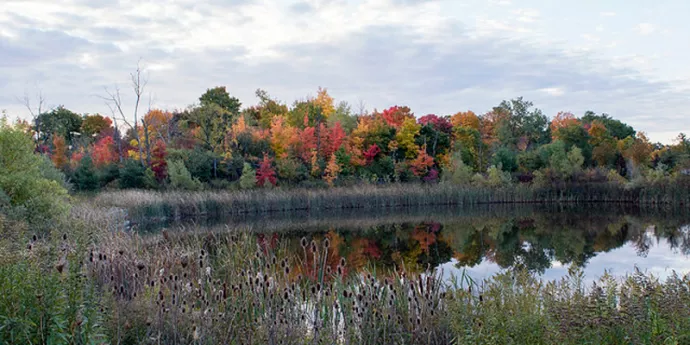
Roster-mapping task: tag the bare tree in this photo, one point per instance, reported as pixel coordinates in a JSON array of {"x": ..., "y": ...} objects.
[
  {"x": 362, "y": 107},
  {"x": 114, "y": 102},
  {"x": 26, "y": 100}
]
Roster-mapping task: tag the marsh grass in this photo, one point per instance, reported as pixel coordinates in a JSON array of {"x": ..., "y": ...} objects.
[
  {"x": 179, "y": 205},
  {"x": 231, "y": 289},
  {"x": 101, "y": 283},
  {"x": 516, "y": 308}
]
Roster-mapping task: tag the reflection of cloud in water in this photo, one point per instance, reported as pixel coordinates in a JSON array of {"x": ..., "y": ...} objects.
[{"x": 660, "y": 261}]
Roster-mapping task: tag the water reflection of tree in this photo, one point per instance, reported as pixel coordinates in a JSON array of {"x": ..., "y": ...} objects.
[{"x": 531, "y": 241}]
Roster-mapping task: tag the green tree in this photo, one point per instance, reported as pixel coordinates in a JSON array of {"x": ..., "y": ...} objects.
[
  {"x": 210, "y": 123},
  {"x": 248, "y": 178},
  {"x": 59, "y": 121},
  {"x": 85, "y": 177},
  {"x": 132, "y": 175},
  {"x": 220, "y": 97},
  {"x": 343, "y": 114},
  {"x": 458, "y": 172},
  {"x": 506, "y": 159},
  {"x": 618, "y": 129},
  {"x": 25, "y": 192},
  {"x": 180, "y": 177}
]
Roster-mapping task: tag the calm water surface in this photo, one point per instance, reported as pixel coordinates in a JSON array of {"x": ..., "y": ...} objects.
[{"x": 482, "y": 240}]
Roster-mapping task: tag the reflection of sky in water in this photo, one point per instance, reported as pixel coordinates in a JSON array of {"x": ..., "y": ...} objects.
[{"x": 660, "y": 261}]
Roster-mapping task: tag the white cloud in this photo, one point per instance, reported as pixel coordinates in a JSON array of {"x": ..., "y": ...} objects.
[
  {"x": 553, "y": 91},
  {"x": 607, "y": 14},
  {"x": 646, "y": 28}
]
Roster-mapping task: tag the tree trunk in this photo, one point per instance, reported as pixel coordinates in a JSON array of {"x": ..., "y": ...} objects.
[{"x": 147, "y": 142}]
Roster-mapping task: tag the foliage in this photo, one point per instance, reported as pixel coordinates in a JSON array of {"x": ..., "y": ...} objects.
[
  {"x": 132, "y": 175},
  {"x": 59, "y": 122},
  {"x": 85, "y": 177},
  {"x": 265, "y": 173},
  {"x": 95, "y": 124},
  {"x": 25, "y": 191},
  {"x": 158, "y": 162},
  {"x": 248, "y": 178},
  {"x": 180, "y": 178},
  {"x": 216, "y": 137}
]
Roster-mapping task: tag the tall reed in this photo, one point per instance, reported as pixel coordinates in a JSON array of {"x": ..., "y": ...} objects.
[{"x": 176, "y": 204}]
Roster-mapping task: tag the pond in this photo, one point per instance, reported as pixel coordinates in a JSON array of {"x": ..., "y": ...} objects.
[{"x": 481, "y": 240}]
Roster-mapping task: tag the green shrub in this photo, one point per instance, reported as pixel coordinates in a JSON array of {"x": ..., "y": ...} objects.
[
  {"x": 85, "y": 177},
  {"x": 26, "y": 192},
  {"x": 132, "y": 175},
  {"x": 180, "y": 177}
]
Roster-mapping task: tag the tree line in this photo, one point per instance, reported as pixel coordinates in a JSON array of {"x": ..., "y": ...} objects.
[{"x": 316, "y": 142}]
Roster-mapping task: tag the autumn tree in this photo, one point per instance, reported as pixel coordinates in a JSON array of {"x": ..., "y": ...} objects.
[
  {"x": 95, "y": 124},
  {"x": 266, "y": 173},
  {"x": 396, "y": 115},
  {"x": 103, "y": 152},
  {"x": 325, "y": 102},
  {"x": 158, "y": 162},
  {"x": 466, "y": 119},
  {"x": 422, "y": 163},
  {"x": 562, "y": 120},
  {"x": 405, "y": 137},
  {"x": 332, "y": 170},
  {"x": 59, "y": 155}
]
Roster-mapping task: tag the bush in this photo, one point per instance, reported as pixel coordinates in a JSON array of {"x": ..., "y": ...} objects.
[
  {"x": 85, "y": 178},
  {"x": 180, "y": 177},
  {"x": 25, "y": 192},
  {"x": 132, "y": 175}
]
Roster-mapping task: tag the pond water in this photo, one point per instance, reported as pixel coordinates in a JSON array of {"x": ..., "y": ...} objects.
[{"x": 482, "y": 240}]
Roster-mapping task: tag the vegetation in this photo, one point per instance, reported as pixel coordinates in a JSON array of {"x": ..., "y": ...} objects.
[
  {"x": 187, "y": 286},
  {"x": 316, "y": 143},
  {"x": 494, "y": 189}
]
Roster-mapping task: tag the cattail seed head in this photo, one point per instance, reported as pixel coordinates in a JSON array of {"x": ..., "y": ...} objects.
[
  {"x": 64, "y": 237},
  {"x": 326, "y": 243},
  {"x": 303, "y": 242}
]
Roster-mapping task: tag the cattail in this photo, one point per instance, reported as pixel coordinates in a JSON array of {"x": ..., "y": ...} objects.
[
  {"x": 30, "y": 246},
  {"x": 303, "y": 242},
  {"x": 64, "y": 237},
  {"x": 287, "y": 270},
  {"x": 342, "y": 261},
  {"x": 34, "y": 238},
  {"x": 140, "y": 266},
  {"x": 326, "y": 243},
  {"x": 313, "y": 246}
]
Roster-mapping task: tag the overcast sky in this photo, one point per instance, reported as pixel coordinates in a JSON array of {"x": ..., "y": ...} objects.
[{"x": 628, "y": 58}]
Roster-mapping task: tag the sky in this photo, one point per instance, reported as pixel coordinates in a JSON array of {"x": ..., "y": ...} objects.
[{"x": 627, "y": 58}]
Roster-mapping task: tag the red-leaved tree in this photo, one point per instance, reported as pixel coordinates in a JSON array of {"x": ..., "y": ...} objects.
[
  {"x": 158, "y": 163},
  {"x": 371, "y": 153},
  {"x": 104, "y": 152},
  {"x": 266, "y": 172}
]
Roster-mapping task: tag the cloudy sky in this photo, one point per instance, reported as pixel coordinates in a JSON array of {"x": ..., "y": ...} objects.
[{"x": 628, "y": 58}]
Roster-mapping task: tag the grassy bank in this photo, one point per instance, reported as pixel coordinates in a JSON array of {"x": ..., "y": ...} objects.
[
  {"x": 184, "y": 204},
  {"x": 91, "y": 282}
]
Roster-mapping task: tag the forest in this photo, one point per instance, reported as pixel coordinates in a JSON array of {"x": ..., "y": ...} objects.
[{"x": 216, "y": 143}]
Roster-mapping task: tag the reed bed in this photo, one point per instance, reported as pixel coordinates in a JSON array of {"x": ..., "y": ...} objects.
[{"x": 178, "y": 205}]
